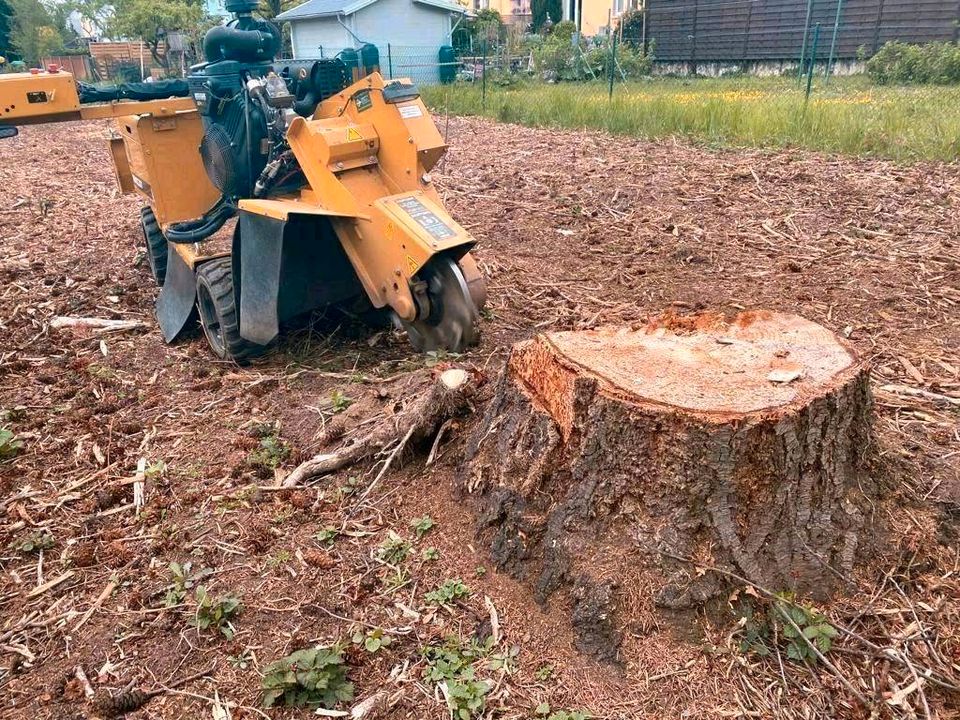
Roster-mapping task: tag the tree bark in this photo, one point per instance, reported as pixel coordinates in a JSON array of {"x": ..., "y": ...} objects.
[{"x": 608, "y": 454}]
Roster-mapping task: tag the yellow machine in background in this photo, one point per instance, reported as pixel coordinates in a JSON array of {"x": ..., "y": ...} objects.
[{"x": 329, "y": 179}]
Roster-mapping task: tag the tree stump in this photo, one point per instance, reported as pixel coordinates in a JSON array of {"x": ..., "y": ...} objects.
[{"x": 614, "y": 453}]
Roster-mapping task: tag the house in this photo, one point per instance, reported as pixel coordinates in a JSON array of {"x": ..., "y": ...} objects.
[
  {"x": 593, "y": 17},
  {"x": 408, "y": 33},
  {"x": 512, "y": 12}
]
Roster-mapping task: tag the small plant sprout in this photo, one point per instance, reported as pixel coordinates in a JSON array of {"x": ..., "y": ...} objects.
[
  {"x": 10, "y": 446},
  {"x": 373, "y": 640},
  {"x": 394, "y": 550},
  {"x": 466, "y": 697},
  {"x": 480, "y": 571},
  {"x": 504, "y": 661},
  {"x": 422, "y": 526},
  {"x": 242, "y": 661},
  {"x": 36, "y": 542},
  {"x": 216, "y": 614},
  {"x": 183, "y": 579},
  {"x": 155, "y": 469},
  {"x": 543, "y": 711},
  {"x": 430, "y": 554},
  {"x": 544, "y": 673},
  {"x": 339, "y": 402},
  {"x": 448, "y": 592},
  {"x": 326, "y": 536},
  {"x": 307, "y": 678}
]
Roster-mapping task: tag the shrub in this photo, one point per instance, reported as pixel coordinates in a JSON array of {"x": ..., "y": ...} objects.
[
  {"x": 632, "y": 62},
  {"x": 315, "y": 676},
  {"x": 901, "y": 63}
]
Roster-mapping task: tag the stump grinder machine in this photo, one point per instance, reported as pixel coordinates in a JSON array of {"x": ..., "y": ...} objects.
[{"x": 325, "y": 168}]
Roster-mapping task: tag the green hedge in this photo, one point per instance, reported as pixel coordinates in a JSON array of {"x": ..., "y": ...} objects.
[{"x": 900, "y": 63}]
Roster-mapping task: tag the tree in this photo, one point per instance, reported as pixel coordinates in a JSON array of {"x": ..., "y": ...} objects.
[
  {"x": 630, "y": 27},
  {"x": 34, "y": 31},
  {"x": 147, "y": 20},
  {"x": 271, "y": 8},
  {"x": 541, "y": 9},
  {"x": 5, "y": 13}
]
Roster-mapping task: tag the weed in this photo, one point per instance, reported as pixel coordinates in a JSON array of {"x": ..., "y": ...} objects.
[
  {"x": 35, "y": 542},
  {"x": 544, "y": 711},
  {"x": 326, "y": 536},
  {"x": 155, "y": 469},
  {"x": 446, "y": 593},
  {"x": 183, "y": 579},
  {"x": 339, "y": 402},
  {"x": 242, "y": 661},
  {"x": 269, "y": 454},
  {"x": 430, "y": 554},
  {"x": 479, "y": 571},
  {"x": 394, "y": 550},
  {"x": 544, "y": 673},
  {"x": 466, "y": 697},
  {"x": 787, "y": 623},
  {"x": 311, "y": 677},
  {"x": 453, "y": 664},
  {"x": 504, "y": 661},
  {"x": 373, "y": 640},
  {"x": 279, "y": 559},
  {"x": 422, "y": 526},
  {"x": 217, "y": 614},
  {"x": 10, "y": 446},
  {"x": 395, "y": 581}
]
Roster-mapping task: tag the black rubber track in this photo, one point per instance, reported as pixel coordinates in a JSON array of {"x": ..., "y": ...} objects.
[
  {"x": 156, "y": 244},
  {"x": 218, "y": 313}
]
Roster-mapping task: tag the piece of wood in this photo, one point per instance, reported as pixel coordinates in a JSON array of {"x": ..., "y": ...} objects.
[
  {"x": 419, "y": 418},
  {"x": 50, "y": 584},
  {"x": 741, "y": 443},
  {"x": 94, "y": 323}
]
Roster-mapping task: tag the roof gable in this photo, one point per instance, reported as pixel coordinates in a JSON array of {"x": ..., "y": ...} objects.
[{"x": 328, "y": 8}]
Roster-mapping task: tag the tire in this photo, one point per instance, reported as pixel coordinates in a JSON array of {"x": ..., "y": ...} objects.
[
  {"x": 156, "y": 244},
  {"x": 218, "y": 313}
]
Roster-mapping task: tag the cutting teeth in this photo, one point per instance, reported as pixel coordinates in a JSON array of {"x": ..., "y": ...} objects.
[{"x": 454, "y": 329}]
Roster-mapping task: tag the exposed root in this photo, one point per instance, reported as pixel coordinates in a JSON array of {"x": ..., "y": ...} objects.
[{"x": 419, "y": 420}]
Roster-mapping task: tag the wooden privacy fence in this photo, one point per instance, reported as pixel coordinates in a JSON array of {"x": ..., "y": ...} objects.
[
  {"x": 734, "y": 30},
  {"x": 78, "y": 65}
]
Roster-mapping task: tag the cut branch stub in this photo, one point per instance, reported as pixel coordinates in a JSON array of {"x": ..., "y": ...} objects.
[{"x": 740, "y": 443}]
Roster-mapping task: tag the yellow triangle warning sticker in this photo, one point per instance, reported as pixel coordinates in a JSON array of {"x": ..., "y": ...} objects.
[{"x": 353, "y": 134}]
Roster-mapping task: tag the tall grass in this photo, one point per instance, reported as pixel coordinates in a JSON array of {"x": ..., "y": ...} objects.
[{"x": 847, "y": 115}]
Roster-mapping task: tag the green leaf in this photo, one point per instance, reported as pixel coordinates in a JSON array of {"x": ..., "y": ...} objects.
[{"x": 542, "y": 709}]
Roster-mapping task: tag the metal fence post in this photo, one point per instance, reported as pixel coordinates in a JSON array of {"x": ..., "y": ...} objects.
[
  {"x": 806, "y": 36},
  {"x": 389, "y": 61},
  {"x": 833, "y": 42},
  {"x": 483, "y": 78},
  {"x": 613, "y": 62},
  {"x": 813, "y": 59}
]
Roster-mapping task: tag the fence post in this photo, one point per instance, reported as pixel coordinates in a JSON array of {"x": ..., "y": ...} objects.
[
  {"x": 613, "y": 61},
  {"x": 813, "y": 59},
  {"x": 483, "y": 78},
  {"x": 389, "y": 61},
  {"x": 833, "y": 42},
  {"x": 806, "y": 36}
]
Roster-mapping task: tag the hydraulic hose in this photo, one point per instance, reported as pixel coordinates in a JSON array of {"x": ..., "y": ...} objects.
[{"x": 194, "y": 231}]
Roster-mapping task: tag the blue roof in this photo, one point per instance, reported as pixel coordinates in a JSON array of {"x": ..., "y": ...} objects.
[{"x": 324, "y": 8}]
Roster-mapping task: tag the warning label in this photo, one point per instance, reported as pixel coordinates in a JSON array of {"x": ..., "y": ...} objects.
[
  {"x": 353, "y": 134},
  {"x": 426, "y": 219}
]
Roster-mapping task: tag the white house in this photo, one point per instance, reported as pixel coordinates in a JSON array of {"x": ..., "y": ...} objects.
[{"x": 408, "y": 33}]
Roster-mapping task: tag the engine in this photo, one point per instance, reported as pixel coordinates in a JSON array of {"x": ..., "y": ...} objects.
[{"x": 247, "y": 101}]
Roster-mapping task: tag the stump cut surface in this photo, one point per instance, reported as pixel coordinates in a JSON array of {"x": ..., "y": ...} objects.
[{"x": 758, "y": 362}]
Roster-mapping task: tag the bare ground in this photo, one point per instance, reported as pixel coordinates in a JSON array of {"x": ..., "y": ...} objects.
[{"x": 575, "y": 230}]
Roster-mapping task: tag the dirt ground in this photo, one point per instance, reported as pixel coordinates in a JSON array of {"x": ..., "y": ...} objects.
[{"x": 575, "y": 230}]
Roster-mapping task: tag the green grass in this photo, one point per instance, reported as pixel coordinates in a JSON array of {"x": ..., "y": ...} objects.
[{"x": 846, "y": 115}]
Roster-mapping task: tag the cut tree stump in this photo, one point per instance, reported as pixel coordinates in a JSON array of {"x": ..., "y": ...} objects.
[{"x": 607, "y": 457}]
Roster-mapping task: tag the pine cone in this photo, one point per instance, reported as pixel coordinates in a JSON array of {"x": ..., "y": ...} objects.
[{"x": 114, "y": 707}]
